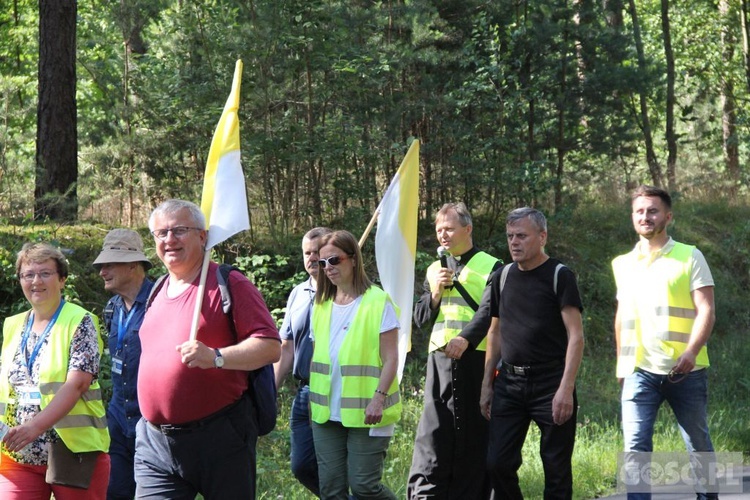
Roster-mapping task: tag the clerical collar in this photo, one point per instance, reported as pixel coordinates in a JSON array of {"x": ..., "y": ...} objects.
[{"x": 466, "y": 256}]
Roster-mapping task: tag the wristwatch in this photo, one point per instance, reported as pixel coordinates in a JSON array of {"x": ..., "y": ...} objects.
[{"x": 219, "y": 359}]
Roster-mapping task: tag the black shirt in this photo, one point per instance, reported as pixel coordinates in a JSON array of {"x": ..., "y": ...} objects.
[{"x": 531, "y": 324}]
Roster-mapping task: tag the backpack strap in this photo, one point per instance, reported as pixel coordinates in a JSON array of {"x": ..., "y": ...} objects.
[
  {"x": 504, "y": 275},
  {"x": 158, "y": 284},
  {"x": 222, "y": 276},
  {"x": 109, "y": 311},
  {"x": 557, "y": 272},
  {"x": 506, "y": 269}
]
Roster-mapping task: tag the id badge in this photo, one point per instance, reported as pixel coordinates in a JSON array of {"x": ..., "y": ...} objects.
[
  {"x": 29, "y": 395},
  {"x": 117, "y": 365}
]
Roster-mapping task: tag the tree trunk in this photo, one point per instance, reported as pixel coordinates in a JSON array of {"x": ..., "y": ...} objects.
[
  {"x": 728, "y": 105},
  {"x": 669, "y": 126},
  {"x": 653, "y": 163},
  {"x": 744, "y": 10},
  {"x": 55, "y": 194}
]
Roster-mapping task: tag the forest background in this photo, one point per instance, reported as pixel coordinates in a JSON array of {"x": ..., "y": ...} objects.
[{"x": 107, "y": 108}]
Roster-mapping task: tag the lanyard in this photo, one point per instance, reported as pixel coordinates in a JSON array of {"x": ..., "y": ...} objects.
[
  {"x": 122, "y": 328},
  {"x": 40, "y": 340}
]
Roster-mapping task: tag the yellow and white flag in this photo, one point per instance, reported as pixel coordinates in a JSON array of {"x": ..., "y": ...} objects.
[
  {"x": 224, "y": 200},
  {"x": 396, "y": 244}
]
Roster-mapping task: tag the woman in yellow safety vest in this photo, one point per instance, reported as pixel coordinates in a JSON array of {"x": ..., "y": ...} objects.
[
  {"x": 54, "y": 432},
  {"x": 354, "y": 394}
]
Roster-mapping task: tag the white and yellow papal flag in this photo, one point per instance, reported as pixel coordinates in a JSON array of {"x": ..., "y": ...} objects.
[
  {"x": 224, "y": 200},
  {"x": 396, "y": 244}
]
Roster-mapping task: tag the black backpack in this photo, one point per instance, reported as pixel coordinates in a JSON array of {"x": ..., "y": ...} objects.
[{"x": 261, "y": 383}]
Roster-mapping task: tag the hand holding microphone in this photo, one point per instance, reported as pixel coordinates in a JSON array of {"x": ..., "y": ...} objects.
[{"x": 443, "y": 255}]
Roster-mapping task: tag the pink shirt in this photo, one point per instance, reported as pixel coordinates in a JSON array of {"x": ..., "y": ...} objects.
[{"x": 170, "y": 392}]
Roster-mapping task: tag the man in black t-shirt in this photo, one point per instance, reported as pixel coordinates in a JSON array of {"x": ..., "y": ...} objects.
[{"x": 534, "y": 345}]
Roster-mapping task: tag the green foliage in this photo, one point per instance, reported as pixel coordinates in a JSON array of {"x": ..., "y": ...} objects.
[
  {"x": 271, "y": 275},
  {"x": 530, "y": 103}
]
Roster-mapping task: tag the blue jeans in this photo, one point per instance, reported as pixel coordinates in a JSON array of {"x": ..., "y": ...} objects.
[
  {"x": 121, "y": 453},
  {"x": 304, "y": 464},
  {"x": 643, "y": 393}
]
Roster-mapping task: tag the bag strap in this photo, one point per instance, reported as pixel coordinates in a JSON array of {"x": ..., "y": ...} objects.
[
  {"x": 158, "y": 284},
  {"x": 108, "y": 313},
  {"x": 506, "y": 269},
  {"x": 465, "y": 294},
  {"x": 222, "y": 276}
]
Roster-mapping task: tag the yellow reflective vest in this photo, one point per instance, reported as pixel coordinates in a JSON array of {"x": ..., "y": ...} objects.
[
  {"x": 359, "y": 362},
  {"x": 675, "y": 314},
  {"x": 455, "y": 313},
  {"x": 84, "y": 428}
]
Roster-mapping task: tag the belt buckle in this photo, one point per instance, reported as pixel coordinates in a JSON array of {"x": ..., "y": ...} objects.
[
  {"x": 171, "y": 430},
  {"x": 521, "y": 370},
  {"x": 168, "y": 429}
]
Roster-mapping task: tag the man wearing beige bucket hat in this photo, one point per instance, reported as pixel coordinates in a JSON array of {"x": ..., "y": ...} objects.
[{"x": 123, "y": 265}]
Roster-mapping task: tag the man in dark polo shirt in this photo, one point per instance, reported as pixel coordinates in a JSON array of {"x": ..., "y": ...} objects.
[{"x": 196, "y": 434}]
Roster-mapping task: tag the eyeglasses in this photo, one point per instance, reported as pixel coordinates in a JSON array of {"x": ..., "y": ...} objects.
[
  {"x": 44, "y": 276},
  {"x": 334, "y": 260},
  {"x": 177, "y": 232}
]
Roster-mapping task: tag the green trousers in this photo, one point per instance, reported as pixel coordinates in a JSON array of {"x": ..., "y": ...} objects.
[{"x": 348, "y": 458}]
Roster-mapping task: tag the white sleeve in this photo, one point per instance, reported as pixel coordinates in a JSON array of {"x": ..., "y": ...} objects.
[
  {"x": 701, "y": 273},
  {"x": 390, "y": 320}
]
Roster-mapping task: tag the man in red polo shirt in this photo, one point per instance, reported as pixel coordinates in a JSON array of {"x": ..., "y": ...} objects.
[{"x": 196, "y": 435}]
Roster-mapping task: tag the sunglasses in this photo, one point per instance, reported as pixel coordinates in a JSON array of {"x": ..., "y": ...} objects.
[{"x": 332, "y": 261}]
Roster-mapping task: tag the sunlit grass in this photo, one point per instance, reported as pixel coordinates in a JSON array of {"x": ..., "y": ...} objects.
[{"x": 598, "y": 438}]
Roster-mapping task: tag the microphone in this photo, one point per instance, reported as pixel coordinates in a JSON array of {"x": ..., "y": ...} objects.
[{"x": 443, "y": 254}]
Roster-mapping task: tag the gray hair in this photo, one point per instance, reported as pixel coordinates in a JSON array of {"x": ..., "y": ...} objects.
[
  {"x": 173, "y": 206},
  {"x": 536, "y": 217},
  {"x": 316, "y": 233},
  {"x": 464, "y": 216}
]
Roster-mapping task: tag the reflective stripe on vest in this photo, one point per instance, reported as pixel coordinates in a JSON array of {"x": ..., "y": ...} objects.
[
  {"x": 678, "y": 314},
  {"x": 84, "y": 428},
  {"x": 360, "y": 365},
  {"x": 50, "y": 388},
  {"x": 455, "y": 313},
  {"x": 361, "y": 403},
  {"x": 323, "y": 368}
]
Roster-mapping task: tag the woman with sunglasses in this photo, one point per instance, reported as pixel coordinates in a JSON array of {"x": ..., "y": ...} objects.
[
  {"x": 354, "y": 395},
  {"x": 50, "y": 397}
]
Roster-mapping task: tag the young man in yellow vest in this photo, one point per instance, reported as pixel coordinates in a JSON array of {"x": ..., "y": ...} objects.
[
  {"x": 665, "y": 314},
  {"x": 451, "y": 443}
]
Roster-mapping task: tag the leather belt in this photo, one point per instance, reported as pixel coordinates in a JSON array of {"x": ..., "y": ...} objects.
[
  {"x": 527, "y": 370},
  {"x": 187, "y": 427}
]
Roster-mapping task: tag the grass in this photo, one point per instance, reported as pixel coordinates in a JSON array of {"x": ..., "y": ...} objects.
[{"x": 598, "y": 438}]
